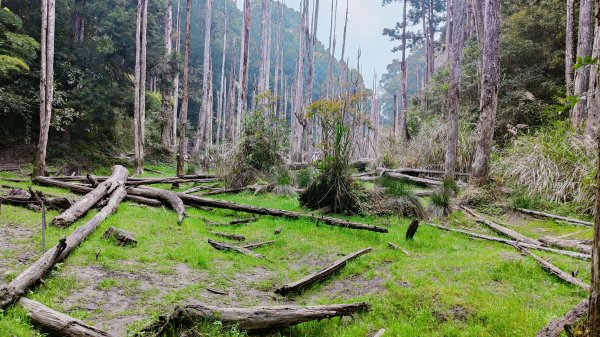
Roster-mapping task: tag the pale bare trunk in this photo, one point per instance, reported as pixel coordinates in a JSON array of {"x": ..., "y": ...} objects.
[
  {"x": 176, "y": 83},
  {"x": 448, "y": 31},
  {"x": 592, "y": 124},
  {"x": 184, "y": 105},
  {"x": 46, "y": 83},
  {"x": 298, "y": 120},
  {"x": 458, "y": 14},
  {"x": 569, "y": 47},
  {"x": 594, "y": 303},
  {"x": 200, "y": 137},
  {"x": 343, "y": 64},
  {"x": 404, "y": 118},
  {"x": 490, "y": 84},
  {"x": 166, "y": 90},
  {"x": 243, "y": 82},
  {"x": 395, "y": 125},
  {"x": 262, "y": 76},
  {"x": 478, "y": 14},
  {"x": 584, "y": 49},
  {"x": 139, "y": 113}
]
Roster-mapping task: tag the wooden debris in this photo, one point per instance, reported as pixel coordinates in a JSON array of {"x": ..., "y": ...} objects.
[
  {"x": 223, "y": 191},
  {"x": 311, "y": 279},
  {"x": 164, "y": 195},
  {"x": 58, "y": 323},
  {"x": 217, "y": 292},
  {"x": 396, "y": 247},
  {"x": 200, "y": 188},
  {"x": 232, "y": 222},
  {"x": 260, "y": 319},
  {"x": 123, "y": 237},
  {"x": 555, "y": 327},
  {"x": 584, "y": 246},
  {"x": 225, "y": 246},
  {"x": 230, "y": 236},
  {"x": 379, "y": 333},
  {"x": 278, "y": 230},
  {"x": 153, "y": 170},
  {"x": 425, "y": 181},
  {"x": 258, "y": 245},
  {"x": 10, "y": 292},
  {"x": 88, "y": 201},
  {"x": 412, "y": 229},
  {"x": 500, "y": 229},
  {"x": 556, "y": 217},
  {"x": 512, "y": 243},
  {"x": 424, "y": 171}
]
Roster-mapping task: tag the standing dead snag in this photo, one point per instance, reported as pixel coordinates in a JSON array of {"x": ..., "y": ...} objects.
[
  {"x": 58, "y": 323},
  {"x": 10, "y": 292},
  {"x": 225, "y": 246},
  {"x": 318, "y": 276},
  {"x": 255, "y": 318},
  {"x": 88, "y": 201},
  {"x": 412, "y": 229}
]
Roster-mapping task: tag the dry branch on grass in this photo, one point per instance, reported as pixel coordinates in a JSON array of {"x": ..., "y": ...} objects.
[
  {"x": 583, "y": 246},
  {"x": 500, "y": 229},
  {"x": 226, "y": 246},
  {"x": 235, "y": 237},
  {"x": 556, "y": 217},
  {"x": 255, "y": 319},
  {"x": 311, "y": 279},
  {"x": 259, "y": 244}
]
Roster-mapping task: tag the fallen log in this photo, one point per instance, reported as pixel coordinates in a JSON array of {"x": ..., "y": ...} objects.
[
  {"x": 58, "y": 203},
  {"x": 258, "y": 245},
  {"x": 17, "y": 287},
  {"x": 556, "y": 326},
  {"x": 425, "y": 181},
  {"x": 500, "y": 229},
  {"x": 223, "y": 191},
  {"x": 75, "y": 188},
  {"x": 556, "y": 217},
  {"x": 57, "y": 323},
  {"x": 144, "y": 181},
  {"x": 311, "y": 279},
  {"x": 88, "y": 201},
  {"x": 200, "y": 201},
  {"x": 225, "y": 246},
  {"x": 253, "y": 319},
  {"x": 424, "y": 171},
  {"x": 122, "y": 236},
  {"x": 230, "y": 236},
  {"x": 583, "y": 246},
  {"x": 200, "y": 188},
  {"x": 512, "y": 243},
  {"x": 167, "y": 196},
  {"x": 396, "y": 247}
]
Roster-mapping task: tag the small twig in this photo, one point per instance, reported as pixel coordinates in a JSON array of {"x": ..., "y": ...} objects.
[{"x": 217, "y": 292}]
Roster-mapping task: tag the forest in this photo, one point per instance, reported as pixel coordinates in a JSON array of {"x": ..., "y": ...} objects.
[{"x": 235, "y": 168}]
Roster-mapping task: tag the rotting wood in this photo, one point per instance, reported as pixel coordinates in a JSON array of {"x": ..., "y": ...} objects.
[
  {"x": 235, "y": 237},
  {"x": 76, "y": 188},
  {"x": 556, "y": 217},
  {"x": 235, "y": 222},
  {"x": 200, "y": 188},
  {"x": 123, "y": 237},
  {"x": 223, "y": 191},
  {"x": 167, "y": 196},
  {"x": 422, "y": 171},
  {"x": 57, "y": 323},
  {"x": 255, "y": 318},
  {"x": 17, "y": 287},
  {"x": 88, "y": 201},
  {"x": 412, "y": 229},
  {"x": 512, "y": 243},
  {"x": 311, "y": 279},
  {"x": 419, "y": 180},
  {"x": 500, "y": 229},
  {"x": 145, "y": 181},
  {"x": 584, "y": 246},
  {"x": 396, "y": 247},
  {"x": 58, "y": 203},
  {"x": 379, "y": 333},
  {"x": 259, "y": 244},
  {"x": 200, "y": 201},
  {"x": 556, "y": 326},
  {"x": 225, "y": 246}
]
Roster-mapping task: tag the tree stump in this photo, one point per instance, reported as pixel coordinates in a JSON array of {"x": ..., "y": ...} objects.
[
  {"x": 123, "y": 237},
  {"x": 412, "y": 229}
]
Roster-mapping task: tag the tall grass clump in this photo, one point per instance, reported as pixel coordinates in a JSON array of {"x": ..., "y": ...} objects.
[
  {"x": 442, "y": 197},
  {"x": 402, "y": 201},
  {"x": 427, "y": 148},
  {"x": 554, "y": 163}
]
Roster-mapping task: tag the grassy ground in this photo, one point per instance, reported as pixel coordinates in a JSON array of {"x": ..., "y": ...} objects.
[{"x": 450, "y": 285}]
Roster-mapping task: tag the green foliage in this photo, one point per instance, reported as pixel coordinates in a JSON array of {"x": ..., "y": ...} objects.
[
  {"x": 555, "y": 163},
  {"x": 305, "y": 177},
  {"x": 527, "y": 201},
  {"x": 442, "y": 197},
  {"x": 403, "y": 202}
]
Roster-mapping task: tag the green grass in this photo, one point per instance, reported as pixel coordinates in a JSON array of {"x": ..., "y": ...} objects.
[{"x": 451, "y": 285}]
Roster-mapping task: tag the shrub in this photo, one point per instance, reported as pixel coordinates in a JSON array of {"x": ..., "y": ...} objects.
[
  {"x": 442, "y": 197},
  {"x": 404, "y": 201},
  {"x": 554, "y": 163},
  {"x": 305, "y": 177}
]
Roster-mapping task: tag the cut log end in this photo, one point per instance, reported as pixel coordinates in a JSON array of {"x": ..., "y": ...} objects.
[{"x": 121, "y": 236}]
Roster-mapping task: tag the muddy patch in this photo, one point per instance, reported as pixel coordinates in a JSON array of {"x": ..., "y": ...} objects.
[{"x": 15, "y": 251}]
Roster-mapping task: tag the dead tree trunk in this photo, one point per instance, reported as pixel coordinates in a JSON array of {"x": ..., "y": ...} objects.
[
  {"x": 579, "y": 245},
  {"x": 592, "y": 123},
  {"x": 557, "y": 326},
  {"x": 58, "y": 323},
  {"x": 594, "y": 304},
  {"x": 582, "y": 75},
  {"x": 500, "y": 229},
  {"x": 17, "y": 287},
  {"x": 262, "y": 70},
  {"x": 490, "y": 84},
  {"x": 139, "y": 109},
  {"x": 205, "y": 114},
  {"x": 181, "y": 153},
  {"x": 557, "y": 217},
  {"x": 311, "y": 279},
  {"x": 88, "y": 201},
  {"x": 46, "y": 83},
  {"x": 166, "y": 84},
  {"x": 403, "y": 68},
  {"x": 256, "y": 318},
  {"x": 160, "y": 194},
  {"x": 176, "y": 81},
  {"x": 569, "y": 46},
  {"x": 243, "y": 75},
  {"x": 225, "y": 246},
  {"x": 458, "y": 14}
]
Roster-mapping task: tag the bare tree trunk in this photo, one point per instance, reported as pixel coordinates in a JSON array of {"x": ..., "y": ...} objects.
[
  {"x": 404, "y": 120},
  {"x": 166, "y": 88},
  {"x": 332, "y": 44},
  {"x": 176, "y": 82},
  {"x": 222, "y": 90},
  {"x": 139, "y": 110},
  {"x": 269, "y": 44},
  {"x": 184, "y": 105},
  {"x": 278, "y": 68},
  {"x": 395, "y": 125},
  {"x": 594, "y": 304},
  {"x": 78, "y": 30},
  {"x": 311, "y": 52},
  {"x": 431, "y": 36},
  {"x": 478, "y": 13},
  {"x": 204, "y": 115},
  {"x": 490, "y": 84},
  {"x": 582, "y": 75},
  {"x": 243, "y": 81},
  {"x": 448, "y": 31},
  {"x": 343, "y": 63},
  {"x": 569, "y": 46},
  {"x": 458, "y": 14},
  {"x": 592, "y": 123},
  {"x": 298, "y": 120},
  {"x": 46, "y": 83},
  {"x": 262, "y": 76}
]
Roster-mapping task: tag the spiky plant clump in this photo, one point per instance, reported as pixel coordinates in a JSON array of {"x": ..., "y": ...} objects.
[
  {"x": 442, "y": 197},
  {"x": 403, "y": 202}
]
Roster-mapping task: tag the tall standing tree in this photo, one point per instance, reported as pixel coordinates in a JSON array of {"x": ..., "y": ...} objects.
[
  {"x": 490, "y": 83},
  {"x": 594, "y": 105},
  {"x": 139, "y": 109},
  {"x": 243, "y": 75},
  {"x": 584, "y": 49},
  {"x": 46, "y": 83},
  {"x": 262, "y": 69},
  {"x": 569, "y": 46},
  {"x": 458, "y": 18},
  {"x": 184, "y": 104},
  {"x": 592, "y": 123},
  {"x": 166, "y": 82},
  {"x": 176, "y": 80},
  {"x": 201, "y": 138}
]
